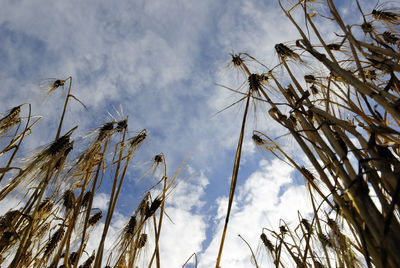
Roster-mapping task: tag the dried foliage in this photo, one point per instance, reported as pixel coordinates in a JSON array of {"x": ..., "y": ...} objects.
[
  {"x": 345, "y": 117},
  {"x": 56, "y": 193}
]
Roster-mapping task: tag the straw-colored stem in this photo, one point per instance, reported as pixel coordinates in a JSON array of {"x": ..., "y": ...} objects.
[{"x": 233, "y": 181}]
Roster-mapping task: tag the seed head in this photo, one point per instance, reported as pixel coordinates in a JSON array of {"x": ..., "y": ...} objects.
[
  {"x": 69, "y": 199},
  {"x": 385, "y": 15},
  {"x": 390, "y": 38},
  {"x": 130, "y": 227},
  {"x": 135, "y": 141},
  {"x": 95, "y": 218},
  {"x": 254, "y": 82},
  {"x": 57, "y": 236},
  {"x": 158, "y": 158},
  {"x": 367, "y": 27},
  {"x": 236, "y": 60},
  {"x": 307, "y": 225},
  {"x": 45, "y": 206},
  {"x": 309, "y": 78},
  {"x": 86, "y": 199},
  {"x": 142, "y": 241},
  {"x": 257, "y": 139},
  {"x": 105, "y": 130},
  {"x": 324, "y": 240},
  {"x": 267, "y": 243},
  {"x": 314, "y": 89},
  {"x": 10, "y": 119},
  {"x": 73, "y": 258},
  {"x": 88, "y": 262},
  {"x": 308, "y": 174},
  {"x": 121, "y": 125},
  {"x": 154, "y": 206},
  {"x": 334, "y": 46}
]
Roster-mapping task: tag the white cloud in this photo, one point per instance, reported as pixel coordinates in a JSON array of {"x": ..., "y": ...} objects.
[{"x": 267, "y": 196}]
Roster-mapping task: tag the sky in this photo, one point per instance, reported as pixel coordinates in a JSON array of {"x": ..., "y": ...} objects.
[{"x": 159, "y": 62}]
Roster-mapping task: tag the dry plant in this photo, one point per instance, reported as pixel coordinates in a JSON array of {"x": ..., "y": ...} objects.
[
  {"x": 56, "y": 194},
  {"x": 346, "y": 120}
]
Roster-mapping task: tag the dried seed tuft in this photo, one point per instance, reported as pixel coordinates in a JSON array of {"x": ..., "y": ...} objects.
[
  {"x": 57, "y": 236},
  {"x": 86, "y": 199},
  {"x": 95, "y": 218},
  {"x": 130, "y": 226},
  {"x": 267, "y": 243},
  {"x": 73, "y": 258},
  {"x": 257, "y": 139},
  {"x": 390, "y": 38},
  {"x": 385, "y": 15},
  {"x": 307, "y": 225},
  {"x": 10, "y": 119},
  {"x": 69, "y": 199},
  {"x": 158, "y": 158},
  {"x": 142, "y": 241},
  {"x": 154, "y": 206},
  {"x": 135, "y": 141},
  {"x": 254, "y": 82},
  {"x": 236, "y": 60},
  {"x": 121, "y": 125},
  {"x": 309, "y": 78}
]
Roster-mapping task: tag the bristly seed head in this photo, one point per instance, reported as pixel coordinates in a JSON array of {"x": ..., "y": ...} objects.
[
  {"x": 334, "y": 46},
  {"x": 61, "y": 144},
  {"x": 153, "y": 207},
  {"x": 7, "y": 220},
  {"x": 88, "y": 262},
  {"x": 366, "y": 27},
  {"x": 45, "y": 206},
  {"x": 58, "y": 83},
  {"x": 324, "y": 240},
  {"x": 385, "y": 15},
  {"x": 307, "y": 173},
  {"x": 283, "y": 229},
  {"x": 73, "y": 258},
  {"x": 314, "y": 89},
  {"x": 57, "y": 236},
  {"x": 309, "y": 78},
  {"x": 139, "y": 138},
  {"x": 105, "y": 130},
  {"x": 130, "y": 226},
  {"x": 284, "y": 51},
  {"x": 69, "y": 199},
  {"x": 86, "y": 199},
  {"x": 390, "y": 38},
  {"x": 158, "y": 158},
  {"x": 10, "y": 119},
  {"x": 95, "y": 218},
  {"x": 121, "y": 125},
  {"x": 307, "y": 225},
  {"x": 257, "y": 139},
  {"x": 142, "y": 241},
  {"x": 267, "y": 243},
  {"x": 236, "y": 60},
  {"x": 254, "y": 82}
]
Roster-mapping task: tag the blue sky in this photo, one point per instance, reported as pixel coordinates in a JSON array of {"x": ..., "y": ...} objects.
[{"x": 160, "y": 61}]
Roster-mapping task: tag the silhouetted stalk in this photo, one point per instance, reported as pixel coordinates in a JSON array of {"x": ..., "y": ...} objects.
[{"x": 234, "y": 180}]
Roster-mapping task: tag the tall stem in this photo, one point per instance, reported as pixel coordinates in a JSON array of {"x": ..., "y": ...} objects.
[{"x": 234, "y": 179}]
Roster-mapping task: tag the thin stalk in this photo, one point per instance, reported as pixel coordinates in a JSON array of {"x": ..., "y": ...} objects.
[
  {"x": 65, "y": 108},
  {"x": 233, "y": 181}
]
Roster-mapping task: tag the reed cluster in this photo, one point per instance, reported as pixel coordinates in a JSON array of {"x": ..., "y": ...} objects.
[
  {"x": 345, "y": 117},
  {"x": 56, "y": 217}
]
